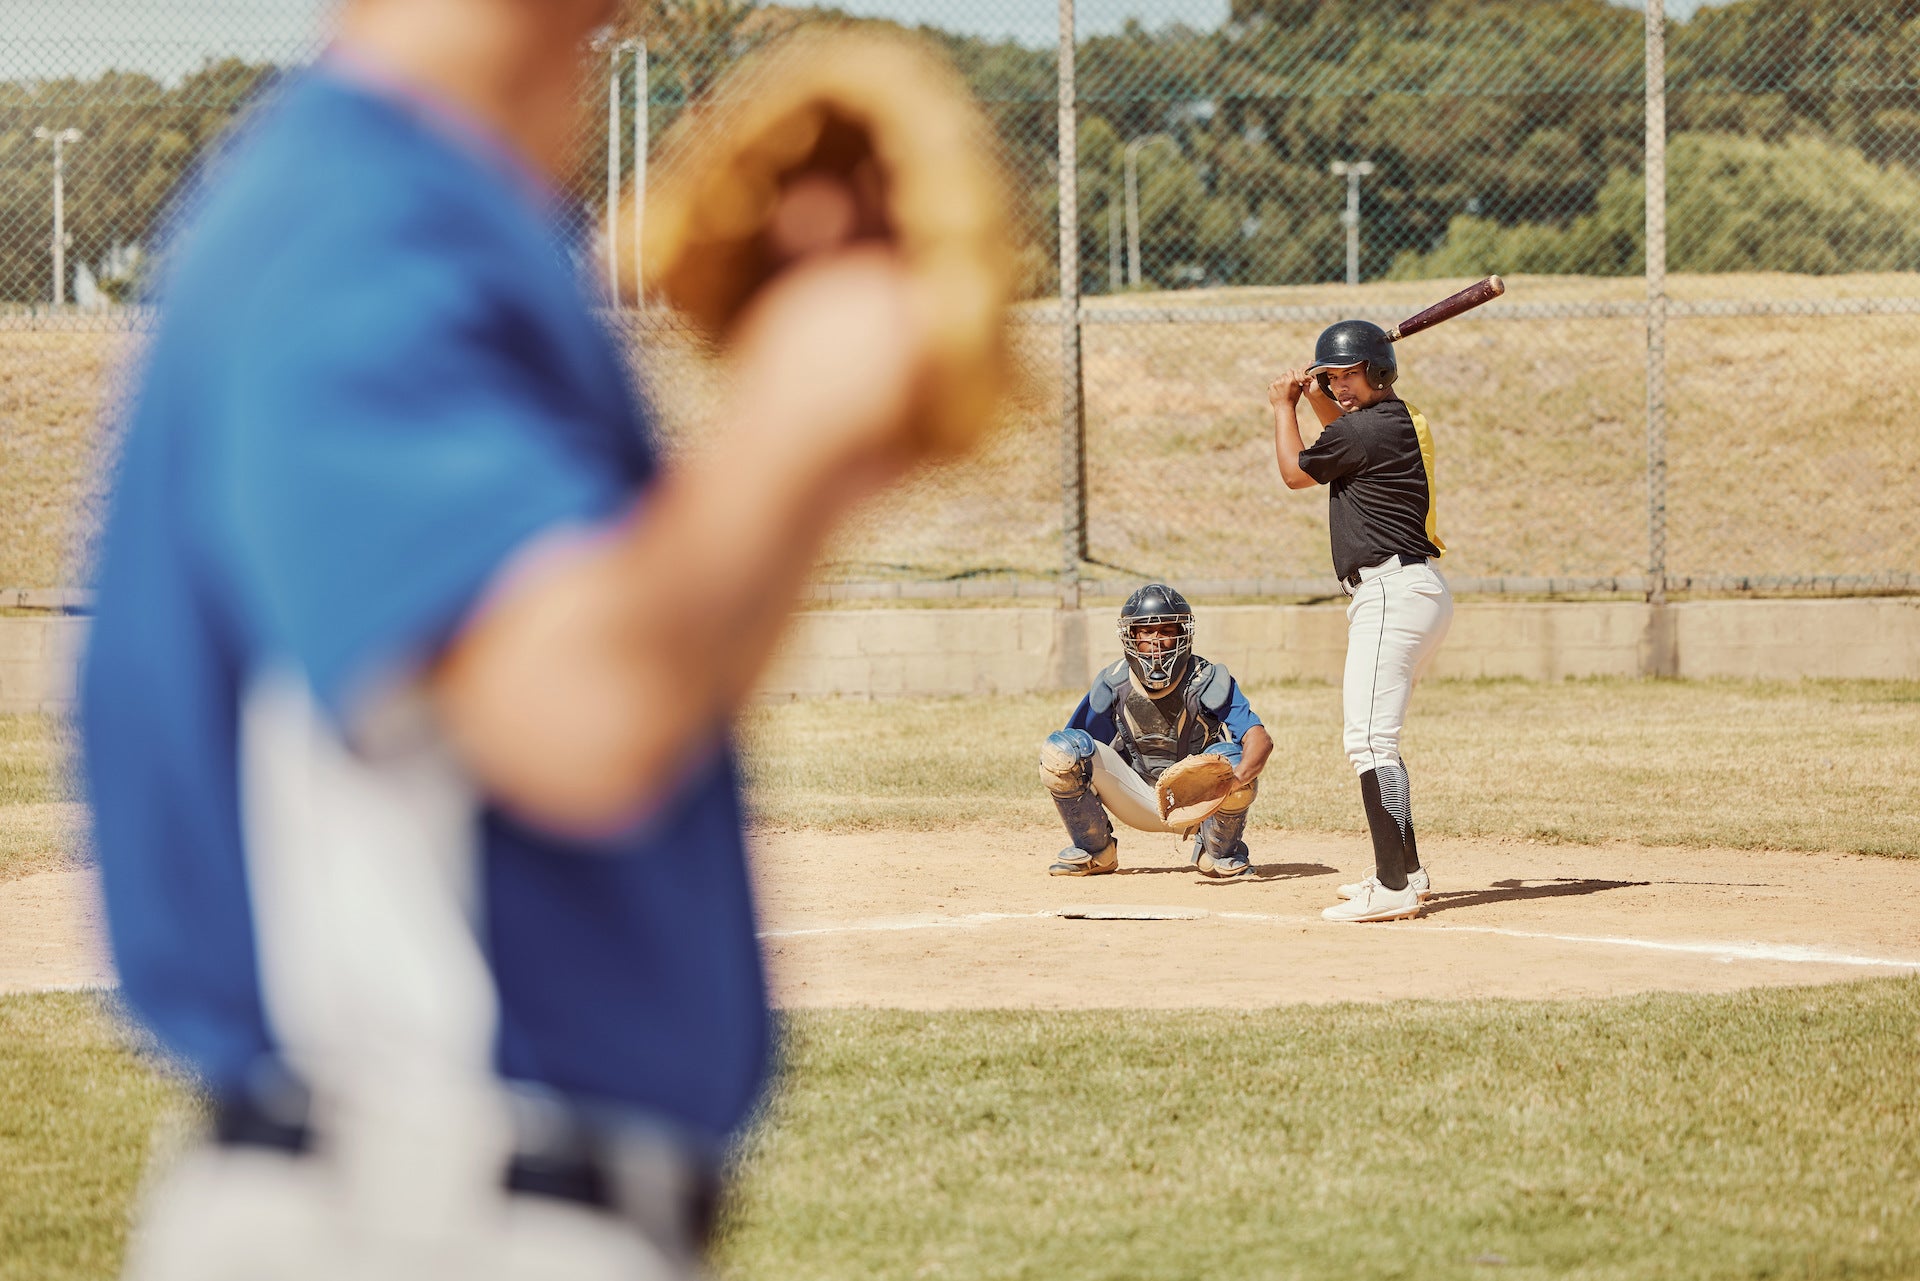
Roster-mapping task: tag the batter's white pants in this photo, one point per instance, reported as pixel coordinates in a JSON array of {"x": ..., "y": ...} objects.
[
  {"x": 1398, "y": 617},
  {"x": 245, "y": 1214}
]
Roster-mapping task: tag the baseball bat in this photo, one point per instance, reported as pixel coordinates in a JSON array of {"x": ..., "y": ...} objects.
[{"x": 1447, "y": 308}]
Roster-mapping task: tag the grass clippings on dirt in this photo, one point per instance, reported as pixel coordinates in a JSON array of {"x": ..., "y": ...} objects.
[
  {"x": 1764, "y": 1134},
  {"x": 1815, "y": 765}
]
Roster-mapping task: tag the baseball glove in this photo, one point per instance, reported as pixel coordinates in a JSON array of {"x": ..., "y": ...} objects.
[
  {"x": 1189, "y": 790},
  {"x": 907, "y": 160}
]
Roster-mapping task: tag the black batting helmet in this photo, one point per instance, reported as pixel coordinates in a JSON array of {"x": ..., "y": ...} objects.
[
  {"x": 1355, "y": 342},
  {"x": 1160, "y": 667}
]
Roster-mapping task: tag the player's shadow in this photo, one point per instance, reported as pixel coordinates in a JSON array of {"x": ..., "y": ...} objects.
[
  {"x": 1515, "y": 891},
  {"x": 1261, "y": 872}
]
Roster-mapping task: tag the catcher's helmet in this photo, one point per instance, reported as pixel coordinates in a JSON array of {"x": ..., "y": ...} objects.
[
  {"x": 1156, "y": 603},
  {"x": 1356, "y": 342}
]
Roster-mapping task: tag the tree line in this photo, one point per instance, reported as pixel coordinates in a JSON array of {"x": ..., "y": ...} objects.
[{"x": 1504, "y": 135}]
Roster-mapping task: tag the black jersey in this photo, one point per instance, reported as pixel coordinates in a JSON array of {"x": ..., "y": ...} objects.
[{"x": 1378, "y": 465}]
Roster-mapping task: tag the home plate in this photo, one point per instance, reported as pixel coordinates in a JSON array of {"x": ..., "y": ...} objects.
[{"x": 1131, "y": 912}]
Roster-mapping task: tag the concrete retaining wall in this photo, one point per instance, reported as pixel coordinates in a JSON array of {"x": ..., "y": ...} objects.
[
  {"x": 37, "y": 657},
  {"x": 890, "y": 653}
]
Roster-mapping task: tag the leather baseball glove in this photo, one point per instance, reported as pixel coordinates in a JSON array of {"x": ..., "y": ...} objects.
[
  {"x": 1189, "y": 790},
  {"x": 833, "y": 138}
]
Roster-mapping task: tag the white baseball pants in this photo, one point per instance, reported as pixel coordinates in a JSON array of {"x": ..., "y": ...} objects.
[
  {"x": 239, "y": 1214},
  {"x": 1399, "y": 616}
]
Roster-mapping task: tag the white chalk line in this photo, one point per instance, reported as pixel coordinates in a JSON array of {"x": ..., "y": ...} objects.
[{"x": 1788, "y": 953}]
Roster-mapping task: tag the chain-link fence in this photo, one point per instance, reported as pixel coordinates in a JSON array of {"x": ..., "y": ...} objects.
[{"x": 1728, "y": 412}]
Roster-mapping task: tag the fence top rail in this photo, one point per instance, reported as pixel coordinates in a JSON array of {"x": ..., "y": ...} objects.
[{"x": 43, "y": 318}]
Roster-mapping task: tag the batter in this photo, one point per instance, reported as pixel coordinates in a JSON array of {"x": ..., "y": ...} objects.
[{"x": 1375, "y": 455}]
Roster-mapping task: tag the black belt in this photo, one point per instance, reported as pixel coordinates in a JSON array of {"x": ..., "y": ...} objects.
[
  {"x": 1405, "y": 558},
  {"x": 579, "y": 1170}
]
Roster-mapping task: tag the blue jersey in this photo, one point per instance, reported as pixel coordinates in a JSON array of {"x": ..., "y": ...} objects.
[{"x": 378, "y": 385}]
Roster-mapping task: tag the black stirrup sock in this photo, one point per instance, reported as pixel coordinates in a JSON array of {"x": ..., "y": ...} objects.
[
  {"x": 1388, "y": 844},
  {"x": 1397, "y": 795}
]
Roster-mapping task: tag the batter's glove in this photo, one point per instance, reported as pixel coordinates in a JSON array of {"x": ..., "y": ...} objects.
[
  {"x": 1191, "y": 789},
  {"x": 845, "y": 137}
]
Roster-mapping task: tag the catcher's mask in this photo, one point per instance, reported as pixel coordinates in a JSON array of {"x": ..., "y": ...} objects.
[
  {"x": 1157, "y": 661},
  {"x": 1355, "y": 342}
]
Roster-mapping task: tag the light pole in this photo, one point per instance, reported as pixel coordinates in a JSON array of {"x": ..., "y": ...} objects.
[
  {"x": 1353, "y": 173},
  {"x": 1131, "y": 164},
  {"x": 60, "y": 138},
  {"x": 619, "y": 48}
]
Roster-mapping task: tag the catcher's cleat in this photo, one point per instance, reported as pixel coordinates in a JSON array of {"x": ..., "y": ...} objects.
[
  {"x": 1074, "y": 861},
  {"x": 1418, "y": 879},
  {"x": 1225, "y": 866},
  {"x": 1376, "y": 903}
]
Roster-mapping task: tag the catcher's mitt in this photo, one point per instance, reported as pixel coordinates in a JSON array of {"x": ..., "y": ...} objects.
[
  {"x": 1189, "y": 790},
  {"x": 906, "y": 159}
]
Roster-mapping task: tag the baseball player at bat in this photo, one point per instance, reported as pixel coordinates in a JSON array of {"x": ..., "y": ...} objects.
[
  {"x": 1164, "y": 741},
  {"x": 1375, "y": 455},
  {"x": 406, "y": 707}
]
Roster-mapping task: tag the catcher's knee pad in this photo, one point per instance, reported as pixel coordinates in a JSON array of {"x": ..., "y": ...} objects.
[
  {"x": 1066, "y": 762},
  {"x": 1240, "y": 799}
]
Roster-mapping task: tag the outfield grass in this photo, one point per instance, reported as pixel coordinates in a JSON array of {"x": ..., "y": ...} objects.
[
  {"x": 77, "y": 1114},
  {"x": 1766, "y": 1134},
  {"x": 1809, "y": 765},
  {"x": 39, "y": 830},
  {"x": 1826, "y": 765}
]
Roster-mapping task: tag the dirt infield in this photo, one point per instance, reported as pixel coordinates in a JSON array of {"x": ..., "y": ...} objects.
[{"x": 967, "y": 918}]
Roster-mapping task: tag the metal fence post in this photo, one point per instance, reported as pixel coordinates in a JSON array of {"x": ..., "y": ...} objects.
[
  {"x": 1656, "y": 252},
  {"x": 1073, "y": 424}
]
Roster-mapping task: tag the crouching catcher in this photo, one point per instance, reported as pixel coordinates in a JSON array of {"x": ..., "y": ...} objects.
[{"x": 1160, "y": 704}]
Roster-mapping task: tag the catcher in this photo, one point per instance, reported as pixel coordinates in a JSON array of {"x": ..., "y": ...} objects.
[{"x": 1164, "y": 740}]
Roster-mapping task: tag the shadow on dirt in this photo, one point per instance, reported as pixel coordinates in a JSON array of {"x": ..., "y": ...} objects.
[
  {"x": 1519, "y": 891},
  {"x": 1261, "y": 872}
]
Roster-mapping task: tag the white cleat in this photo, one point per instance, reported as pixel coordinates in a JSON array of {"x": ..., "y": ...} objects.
[
  {"x": 1375, "y": 902},
  {"x": 1417, "y": 880}
]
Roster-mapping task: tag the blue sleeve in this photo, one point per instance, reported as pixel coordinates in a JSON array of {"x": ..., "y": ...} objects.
[
  {"x": 1097, "y": 724},
  {"x": 394, "y": 432},
  {"x": 1239, "y": 716},
  {"x": 1337, "y": 452}
]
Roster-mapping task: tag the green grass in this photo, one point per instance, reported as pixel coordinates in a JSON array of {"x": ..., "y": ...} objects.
[
  {"x": 1815, "y": 765},
  {"x": 38, "y": 832},
  {"x": 1766, "y": 1134},
  {"x": 1809, "y": 765},
  {"x": 77, "y": 1113},
  {"x": 33, "y": 760}
]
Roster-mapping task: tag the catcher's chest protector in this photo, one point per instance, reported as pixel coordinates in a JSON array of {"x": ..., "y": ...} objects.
[{"x": 1156, "y": 732}]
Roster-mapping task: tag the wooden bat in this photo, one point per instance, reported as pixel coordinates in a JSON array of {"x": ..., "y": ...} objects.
[{"x": 1447, "y": 308}]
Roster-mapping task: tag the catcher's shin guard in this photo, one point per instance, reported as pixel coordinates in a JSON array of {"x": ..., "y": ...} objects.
[
  {"x": 1218, "y": 850},
  {"x": 1383, "y": 792},
  {"x": 1066, "y": 767}
]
